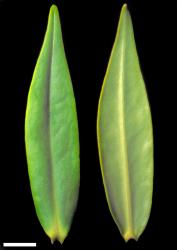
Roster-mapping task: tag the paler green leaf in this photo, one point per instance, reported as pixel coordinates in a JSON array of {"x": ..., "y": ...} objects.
[
  {"x": 51, "y": 136},
  {"x": 124, "y": 132}
]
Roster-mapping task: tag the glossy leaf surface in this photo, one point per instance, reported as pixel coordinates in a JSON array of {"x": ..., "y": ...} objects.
[
  {"x": 124, "y": 131},
  {"x": 51, "y": 136}
]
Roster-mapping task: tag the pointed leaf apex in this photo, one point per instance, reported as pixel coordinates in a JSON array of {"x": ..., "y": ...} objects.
[
  {"x": 53, "y": 10},
  {"x": 124, "y": 11},
  {"x": 129, "y": 235},
  {"x": 57, "y": 235},
  {"x": 124, "y": 7},
  {"x": 61, "y": 236}
]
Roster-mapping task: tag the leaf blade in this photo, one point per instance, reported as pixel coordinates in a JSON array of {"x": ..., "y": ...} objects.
[
  {"x": 123, "y": 113},
  {"x": 51, "y": 136}
]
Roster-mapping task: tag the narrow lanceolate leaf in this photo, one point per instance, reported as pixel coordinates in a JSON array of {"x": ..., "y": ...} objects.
[
  {"x": 124, "y": 132},
  {"x": 51, "y": 136}
]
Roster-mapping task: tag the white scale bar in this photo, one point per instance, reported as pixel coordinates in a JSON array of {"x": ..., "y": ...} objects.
[{"x": 5, "y": 244}]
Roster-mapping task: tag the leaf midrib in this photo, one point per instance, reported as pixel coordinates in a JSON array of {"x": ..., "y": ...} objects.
[
  {"x": 54, "y": 205},
  {"x": 122, "y": 130}
]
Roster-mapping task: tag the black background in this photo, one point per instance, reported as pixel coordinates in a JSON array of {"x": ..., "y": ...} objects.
[{"x": 89, "y": 29}]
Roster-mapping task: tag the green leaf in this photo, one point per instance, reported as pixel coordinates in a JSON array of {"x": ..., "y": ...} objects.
[
  {"x": 124, "y": 131},
  {"x": 51, "y": 136}
]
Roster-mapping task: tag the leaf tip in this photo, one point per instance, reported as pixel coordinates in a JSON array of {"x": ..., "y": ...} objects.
[
  {"x": 129, "y": 235},
  {"x": 124, "y": 7},
  {"x": 59, "y": 235},
  {"x": 53, "y": 10},
  {"x": 124, "y": 10},
  {"x": 61, "y": 240}
]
